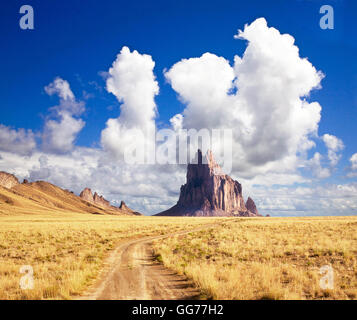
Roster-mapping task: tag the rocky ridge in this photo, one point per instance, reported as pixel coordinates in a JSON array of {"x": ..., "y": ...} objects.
[
  {"x": 95, "y": 198},
  {"x": 98, "y": 200},
  {"x": 41, "y": 195}
]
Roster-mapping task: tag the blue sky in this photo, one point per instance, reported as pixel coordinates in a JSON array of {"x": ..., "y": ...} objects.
[{"x": 77, "y": 40}]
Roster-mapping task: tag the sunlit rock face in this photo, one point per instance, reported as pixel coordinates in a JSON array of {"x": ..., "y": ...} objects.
[
  {"x": 8, "y": 180},
  {"x": 209, "y": 192},
  {"x": 87, "y": 195}
]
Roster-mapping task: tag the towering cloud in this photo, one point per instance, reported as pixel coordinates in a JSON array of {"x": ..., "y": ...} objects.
[
  {"x": 132, "y": 80},
  {"x": 262, "y": 98},
  {"x": 60, "y": 133}
]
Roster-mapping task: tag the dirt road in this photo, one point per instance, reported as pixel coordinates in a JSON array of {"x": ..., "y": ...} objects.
[{"x": 131, "y": 273}]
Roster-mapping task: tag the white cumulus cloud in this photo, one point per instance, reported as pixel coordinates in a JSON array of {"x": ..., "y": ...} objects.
[
  {"x": 352, "y": 169},
  {"x": 333, "y": 145},
  {"x": 61, "y": 88},
  {"x": 317, "y": 169},
  {"x": 324, "y": 200},
  {"x": 59, "y": 134},
  {"x": 262, "y": 97},
  {"x": 353, "y": 161},
  {"x": 131, "y": 79},
  {"x": 19, "y": 141}
]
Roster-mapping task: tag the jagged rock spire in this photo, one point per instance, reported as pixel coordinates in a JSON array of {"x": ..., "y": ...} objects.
[
  {"x": 251, "y": 206},
  {"x": 208, "y": 191}
]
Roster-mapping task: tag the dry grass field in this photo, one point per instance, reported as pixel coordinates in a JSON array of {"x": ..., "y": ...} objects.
[
  {"x": 66, "y": 251},
  {"x": 239, "y": 258},
  {"x": 268, "y": 258}
]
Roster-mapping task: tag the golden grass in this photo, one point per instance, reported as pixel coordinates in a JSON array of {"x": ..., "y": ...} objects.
[
  {"x": 268, "y": 258},
  {"x": 242, "y": 258},
  {"x": 66, "y": 251}
]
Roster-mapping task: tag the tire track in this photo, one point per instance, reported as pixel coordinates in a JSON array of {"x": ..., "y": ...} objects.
[{"x": 131, "y": 273}]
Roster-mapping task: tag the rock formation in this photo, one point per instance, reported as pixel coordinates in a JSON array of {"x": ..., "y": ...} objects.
[
  {"x": 250, "y": 205},
  {"x": 87, "y": 195},
  {"x": 210, "y": 192},
  {"x": 98, "y": 200},
  {"x": 42, "y": 196},
  {"x": 8, "y": 180},
  {"x": 123, "y": 206},
  {"x": 95, "y": 198}
]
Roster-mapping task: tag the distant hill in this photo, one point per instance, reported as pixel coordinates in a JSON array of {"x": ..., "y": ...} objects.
[{"x": 44, "y": 197}]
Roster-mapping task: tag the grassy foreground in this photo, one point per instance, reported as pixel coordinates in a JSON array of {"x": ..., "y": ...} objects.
[
  {"x": 241, "y": 258},
  {"x": 268, "y": 258},
  {"x": 66, "y": 251}
]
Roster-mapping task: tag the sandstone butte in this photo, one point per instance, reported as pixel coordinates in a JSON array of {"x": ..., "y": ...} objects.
[{"x": 210, "y": 192}]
